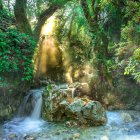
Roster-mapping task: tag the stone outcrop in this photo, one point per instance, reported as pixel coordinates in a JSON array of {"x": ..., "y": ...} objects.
[
  {"x": 61, "y": 105},
  {"x": 8, "y": 106},
  {"x": 11, "y": 96}
]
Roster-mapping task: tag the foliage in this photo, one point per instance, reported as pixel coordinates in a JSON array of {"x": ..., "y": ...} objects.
[
  {"x": 16, "y": 51},
  {"x": 6, "y": 19},
  {"x": 129, "y": 51},
  {"x": 48, "y": 88},
  {"x": 133, "y": 66},
  {"x": 73, "y": 33}
]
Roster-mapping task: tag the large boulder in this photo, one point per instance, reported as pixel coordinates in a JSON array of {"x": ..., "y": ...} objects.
[
  {"x": 84, "y": 111},
  {"x": 60, "y": 106}
]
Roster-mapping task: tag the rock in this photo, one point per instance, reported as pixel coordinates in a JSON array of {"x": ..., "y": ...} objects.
[
  {"x": 57, "y": 133},
  {"x": 28, "y": 137},
  {"x": 104, "y": 138},
  {"x": 94, "y": 113},
  {"x": 76, "y": 136},
  {"x": 83, "y": 89},
  {"x": 70, "y": 139},
  {"x": 85, "y": 111},
  {"x": 137, "y": 107},
  {"x": 137, "y": 125},
  {"x": 63, "y": 86},
  {"x": 65, "y": 139},
  {"x": 12, "y": 136},
  {"x": 71, "y": 123},
  {"x": 60, "y": 106},
  {"x": 126, "y": 117},
  {"x": 75, "y": 106}
]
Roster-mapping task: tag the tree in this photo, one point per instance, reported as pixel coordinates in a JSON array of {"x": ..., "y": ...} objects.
[
  {"x": 1, "y": 6},
  {"x": 104, "y": 20},
  {"x": 93, "y": 11},
  {"x": 21, "y": 16},
  {"x": 23, "y": 22},
  {"x": 42, "y": 18}
]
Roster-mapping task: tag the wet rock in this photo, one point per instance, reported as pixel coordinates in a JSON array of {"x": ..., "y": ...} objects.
[
  {"x": 94, "y": 112},
  {"x": 60, "y": 106},
  {"x": 57, "y": 133},
  {"x": 28, "y": 137},
  {"x": 65, "y": 138},
  {"x": 12, "y": 136},
  {"x": 85, "y": 111},
  {"x": 82, "y": 89},
  {"x": 137, "y": 107},
  {"x": 137, "y": 125},
  {"x": 74, "y": 107},
  {"x": 71, "y": 123},
  {"x": 126, "y": 117},
  {"x": 76, "y": 136},
  {"x": 104, "y": 138}
]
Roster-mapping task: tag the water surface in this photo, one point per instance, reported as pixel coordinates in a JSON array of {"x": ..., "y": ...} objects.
[{"x": 121, "y": 125}]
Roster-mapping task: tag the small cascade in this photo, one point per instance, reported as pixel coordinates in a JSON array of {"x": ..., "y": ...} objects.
[
  {"x": 22, "y": 107},
  {"x": 35, "y": 102},
  {"x": 38, "y": 105},
  {"x": 28, "y": 118}
]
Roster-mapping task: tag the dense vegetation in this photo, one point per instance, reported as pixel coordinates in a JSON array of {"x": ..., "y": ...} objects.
[{"x": 103, "y": 34}]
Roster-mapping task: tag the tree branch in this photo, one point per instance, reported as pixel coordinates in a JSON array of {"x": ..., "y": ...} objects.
[{"x": 42, "y": 18}]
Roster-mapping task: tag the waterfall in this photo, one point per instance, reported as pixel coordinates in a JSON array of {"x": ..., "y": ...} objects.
[
  {"x": 36, "y": 102},
  {"x": 21, "y": 110},
  {"x": 38, "y": 105}
]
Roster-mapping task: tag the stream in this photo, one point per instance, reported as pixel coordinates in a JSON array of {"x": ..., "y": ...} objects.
[
  {"x": 121, "y": 125},
  {"x": 117, "y": 128}
]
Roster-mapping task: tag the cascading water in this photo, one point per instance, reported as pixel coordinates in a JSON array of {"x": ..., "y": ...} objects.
[
  {"x": 21, "y": 110},
  {"x": 38, "y": 105},
  {"x": 117, "y": 128},
  {"x": 121, "y": 125},
  {"x": 36, "y": 97},
  {"x": 22, "y": 125}
]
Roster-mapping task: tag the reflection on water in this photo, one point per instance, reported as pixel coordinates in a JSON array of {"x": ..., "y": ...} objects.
[{"x": 121, "y": 125}]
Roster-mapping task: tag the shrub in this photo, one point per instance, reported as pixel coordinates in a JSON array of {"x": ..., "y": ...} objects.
[{"x": 16, "y": 51}]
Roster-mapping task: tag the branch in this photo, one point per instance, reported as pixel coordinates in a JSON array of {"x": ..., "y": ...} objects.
[
  {"x": 45, "y": 15},
  {"x": 42, "y": 18}
]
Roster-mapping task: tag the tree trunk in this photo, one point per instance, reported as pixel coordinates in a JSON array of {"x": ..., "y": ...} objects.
[
  {"x": 21, "y": 17},
  {"x": 1, "y": 6}
]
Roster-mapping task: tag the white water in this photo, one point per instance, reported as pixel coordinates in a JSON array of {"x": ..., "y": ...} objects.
[
  {"x": 37, "y": 109},
  {"x": 116, "y": 129},
  {"x": 36, "y": 96},
  {"x": 25, "y": 125},
  {"x": 38, "y": 105},
  {"x": 23, "y": 105},
  {"x": 121, "y": 125}
]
